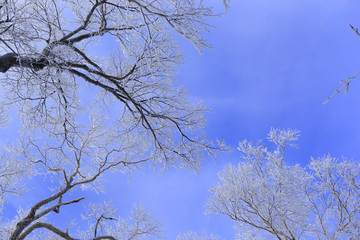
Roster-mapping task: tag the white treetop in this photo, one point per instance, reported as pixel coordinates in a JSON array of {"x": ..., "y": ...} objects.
[{"x": 269, "y": 199}]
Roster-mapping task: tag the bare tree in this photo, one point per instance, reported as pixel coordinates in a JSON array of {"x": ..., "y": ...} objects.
[
  {"x": 269, "y": 199},
  {"x": 87, "y": 107}
]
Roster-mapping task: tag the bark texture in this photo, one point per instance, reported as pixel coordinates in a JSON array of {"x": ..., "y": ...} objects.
[
  {"x": 7, "y": 61},
  {"x": 10, "y": 60}
]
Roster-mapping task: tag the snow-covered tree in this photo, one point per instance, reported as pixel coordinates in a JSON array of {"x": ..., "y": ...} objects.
[
  {"x": 270, "y": 199},
  {"x": 92, "y": 84}
]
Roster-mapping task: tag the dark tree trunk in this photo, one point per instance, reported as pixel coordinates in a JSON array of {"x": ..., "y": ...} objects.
[
  {"x": 7, "y": 61},
  {"x": 10, "y": 60}
]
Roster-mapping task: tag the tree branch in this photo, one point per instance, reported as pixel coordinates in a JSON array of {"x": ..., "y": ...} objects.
[{"x": 47, "y": 226}]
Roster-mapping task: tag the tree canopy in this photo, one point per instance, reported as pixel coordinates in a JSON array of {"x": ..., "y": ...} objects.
[
  {"x": 92, "y": 83},
  {"x": 269, "y": 199}
]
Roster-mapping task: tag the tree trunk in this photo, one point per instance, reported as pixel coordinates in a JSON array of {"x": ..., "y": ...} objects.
[
  {"x": 7, "y": 61},
  {"x": 10, "y": 60}
]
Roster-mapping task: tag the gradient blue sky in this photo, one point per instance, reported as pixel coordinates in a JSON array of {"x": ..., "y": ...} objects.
[{"x": 273, "y": 64}]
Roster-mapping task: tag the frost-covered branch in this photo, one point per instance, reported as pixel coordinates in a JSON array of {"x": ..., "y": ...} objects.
[
  {"x": 92, "y": 84},
  {"x": 139, "y": 226},
  {"x": 345, "y": 84},
  {"x": 52, "y": 58}
]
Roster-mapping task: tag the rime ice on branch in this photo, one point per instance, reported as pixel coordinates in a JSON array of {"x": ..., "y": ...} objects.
[{"x": 86, "y": 109}]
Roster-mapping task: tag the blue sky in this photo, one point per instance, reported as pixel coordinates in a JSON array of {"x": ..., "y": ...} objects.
[{"x": 273, "y": 64}]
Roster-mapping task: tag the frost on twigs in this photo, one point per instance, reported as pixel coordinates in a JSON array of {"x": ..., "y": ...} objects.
[
  {"x": 58, "y": 59},
  {"x": 344, "y": 87},
  {"x": 269, "y": 199},
  {"x": 226, "y": 4},
  {"x": 345, "y": 84},
  {"x": 283, "y": 137},
  {"x": 92, "y": 83},
  {"x": 4, "y": 117},
  {"x": 103, "y": 222},
  {"x": 13, "y": 173}
]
